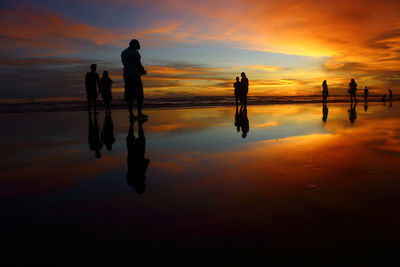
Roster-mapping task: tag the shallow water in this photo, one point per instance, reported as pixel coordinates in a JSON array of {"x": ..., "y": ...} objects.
[{"x": 294, "y": 190}]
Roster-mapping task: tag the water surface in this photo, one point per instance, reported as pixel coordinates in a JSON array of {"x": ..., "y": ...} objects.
[{"x": 293, "y": 189}]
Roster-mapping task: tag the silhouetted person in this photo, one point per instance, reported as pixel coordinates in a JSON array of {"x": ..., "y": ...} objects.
[
  {"x": 92, "y": 85},
  {"x": 238, "y": 120},
  {"x": 137, "y": 163},
  {"x": 390, "y": 95},
  {"x": 133, "y": 70},
  {"x": 353, "y": 90},
  {"x": 105, "y": 87},
  {"x": 107, "y": 135},
  {"x": 366, "y": 94},
  {"x": 325, "y": 111},
  {"x": 244, "y": 88},
  {"x": 244, "y": 123},
  {"x": 237, "y": 87},
  {"x": 94, "y": 137},
  {"x": 383, "y": 99},
  {"x": 324, "y": 91},
  {"x": 352, "y": 112}
]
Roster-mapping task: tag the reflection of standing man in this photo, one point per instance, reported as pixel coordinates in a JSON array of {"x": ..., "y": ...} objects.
[
  {"x": 245, "y": 88},
  {"x": 352, "y": 112},
  {"x": 94, "y": 137},
  {"x": 137, "y": 163},
  {"x": 133, "y": 70},
  {"x": 325, "y": 111},
  {"x": 245, "y": 123}
]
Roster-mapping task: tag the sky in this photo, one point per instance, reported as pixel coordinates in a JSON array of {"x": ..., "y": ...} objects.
[{"x": 189, "y": 47}]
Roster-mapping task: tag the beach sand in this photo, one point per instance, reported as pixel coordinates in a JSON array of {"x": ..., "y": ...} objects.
[{"x": 295, "y": 190}]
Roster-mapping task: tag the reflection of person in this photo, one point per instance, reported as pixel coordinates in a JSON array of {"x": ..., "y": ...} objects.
[
  {"x": 105, "y": 86},
  {"x": 390, "y": 95},
  {"x": 94, "y": 137},
  {"x": 244, "y": 88},
  {"x": 137, "y": 163},
  {"x": 107, "y": 135},
  {"x": 324, "y": 91},
  {"x": 244, "y": 123},
  {"x": 133, "y": 70},
  {"x": 352, "y": 112},
  {"x": 238, "y": 120},
  {"x": 92, "y": 83},
  {"x": 353, "y": 90},
  {"x": 325, "y": 111},
  {"x": 237, "y": 87}
]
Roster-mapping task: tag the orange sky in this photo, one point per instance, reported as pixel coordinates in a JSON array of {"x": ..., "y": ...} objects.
[{"x": 286, "y": 47}]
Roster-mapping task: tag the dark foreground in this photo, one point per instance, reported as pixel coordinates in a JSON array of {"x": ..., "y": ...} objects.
[{"x": 295, "y": 191}]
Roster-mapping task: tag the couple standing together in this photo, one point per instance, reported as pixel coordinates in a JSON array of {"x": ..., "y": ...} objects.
[{"x": 241, "y": 90}]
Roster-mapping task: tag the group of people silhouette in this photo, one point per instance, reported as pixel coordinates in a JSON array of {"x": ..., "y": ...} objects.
[
  {"x": 241, "y": 90},
  {"x": 136, "y": 145},
  {"x": 352, "y": 90}
]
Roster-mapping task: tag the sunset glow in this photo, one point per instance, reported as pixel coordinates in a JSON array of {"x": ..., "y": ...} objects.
[{"x": 285, "y": 47}]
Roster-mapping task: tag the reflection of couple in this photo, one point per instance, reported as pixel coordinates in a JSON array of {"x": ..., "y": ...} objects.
[
  {"x": 99, "y": 138},
  {"x": 242, "y": 121},
  {"x": 241, "y": 90}
]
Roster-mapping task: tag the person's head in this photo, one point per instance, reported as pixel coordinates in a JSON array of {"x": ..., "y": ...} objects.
[
  {"x": 324, "y": 82},
  {"x": 105, "y": 74},
  {"x": 134, "y": 44},
  {"x": 93, "y": 67},
  {"x": 366, "y": 88},
  {"x": 352, "y": 80},
  {"x": 237, "y": 79},
  {"x": 97, "y": 154},
  {"x": 243, "y": 74}
]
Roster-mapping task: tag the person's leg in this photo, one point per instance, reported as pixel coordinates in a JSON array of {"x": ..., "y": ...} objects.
[
  {"x": 88, "y": 103},
  {"x": 140, "y": 97},
  {"x": 129, "y": 96}
]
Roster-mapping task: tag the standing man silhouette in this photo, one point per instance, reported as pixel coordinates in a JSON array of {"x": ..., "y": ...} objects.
[
  {"x": 133, "y": 70},
  {"x": 353, "y": 90},
  {"x": 92, "y": 79},
  {"x": 245, "y": 88}
]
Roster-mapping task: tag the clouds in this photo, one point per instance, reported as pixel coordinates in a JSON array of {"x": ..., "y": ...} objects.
[{"x": 358, "y": 39}]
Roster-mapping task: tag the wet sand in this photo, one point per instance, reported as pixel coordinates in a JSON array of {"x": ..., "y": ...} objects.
[{"x": 294, "y": 190}]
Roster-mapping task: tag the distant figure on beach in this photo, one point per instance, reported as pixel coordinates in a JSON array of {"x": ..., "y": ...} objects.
[
  {"x": 105, "y": 87},
  {"x": 244, "y": 122},
  {"x": 325, "y": 111},
  {"x": 353, "y": 90},
  {"x": 383, "y": 99},
  {"x": 390, "y": 95},
  {"x": 244, "y": 88},
  {"x": 137, "y": 163},
  {"x": 133, "y": 70},
  {"x": 352, "y": 112},
  {"x": 107, "y": 135},
  {"x": 94, "y": 137},
  {"x": 366, "y": 94},
  {"x": 92, "y": 85},
  {"x": 237, "y": 87},
  {"x": 324, "y": 91}
]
